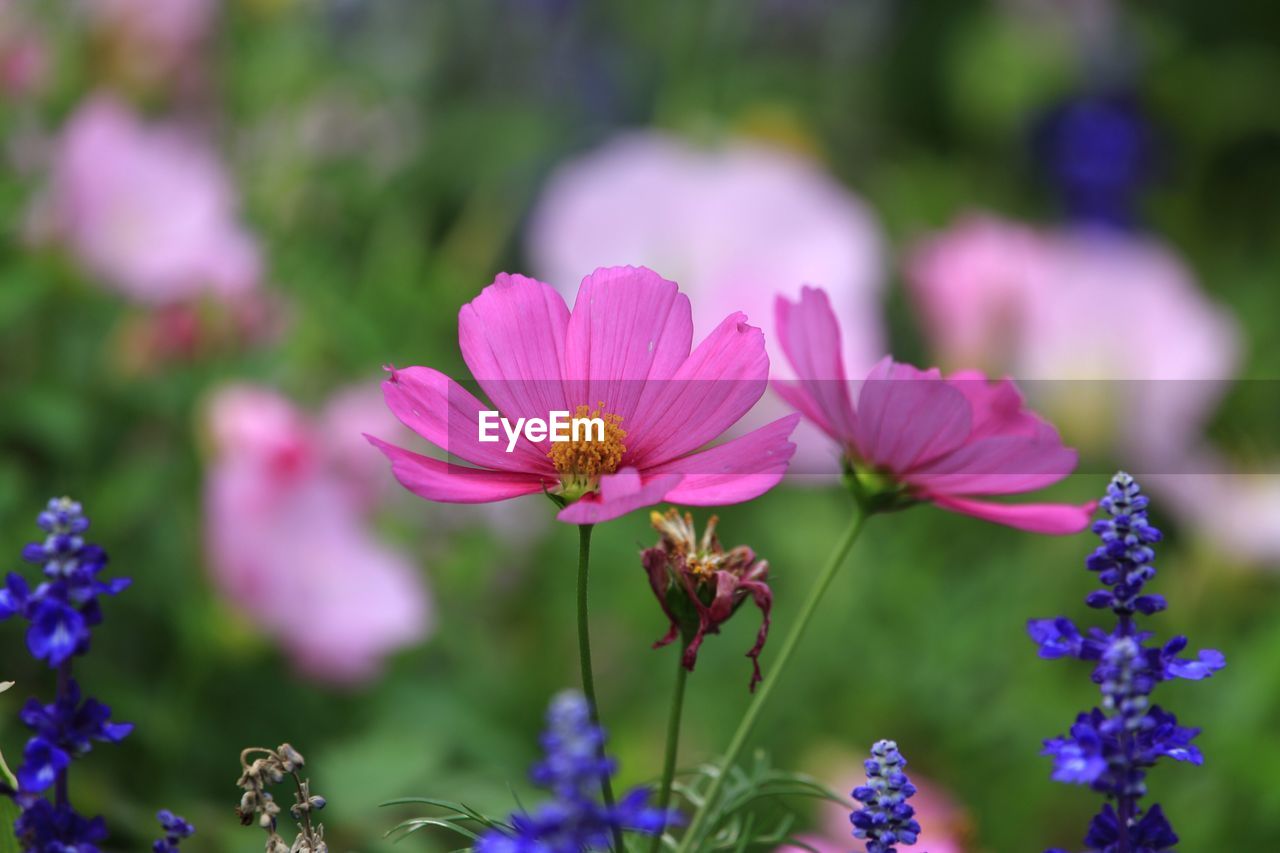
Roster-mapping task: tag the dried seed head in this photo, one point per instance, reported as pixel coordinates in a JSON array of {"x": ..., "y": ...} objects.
[{"x": 291, "y": 759}]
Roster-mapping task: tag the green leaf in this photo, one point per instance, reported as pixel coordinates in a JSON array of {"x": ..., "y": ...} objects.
[
  {"x": 735, "y": 822},
  {"x": 8, "y": 814},
  {"x": 455, "y": 821}
]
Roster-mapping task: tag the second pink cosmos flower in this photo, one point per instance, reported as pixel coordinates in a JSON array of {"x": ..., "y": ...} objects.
[
  {"x": 625, "y": 354},
  {"x": 950, "y": 441}
]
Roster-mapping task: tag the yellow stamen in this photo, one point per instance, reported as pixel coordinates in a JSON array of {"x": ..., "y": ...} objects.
[{"x": 583, "y": 460}]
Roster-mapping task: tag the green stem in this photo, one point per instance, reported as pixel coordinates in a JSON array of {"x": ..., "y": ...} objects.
[
  {"x": 673, "y": 742},
  {"x": 779, "y": 666},
  {"x": 7, "y": 773},
  {"x": 584, "y": 657}
]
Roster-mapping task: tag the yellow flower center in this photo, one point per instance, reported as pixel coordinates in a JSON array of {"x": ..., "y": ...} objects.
[
  {"x": 702, "y": 557},
  {"x": 588, "y": 454}
]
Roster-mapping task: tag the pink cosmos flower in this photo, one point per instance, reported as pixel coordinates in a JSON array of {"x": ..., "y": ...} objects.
[
  {"x": 624, "y": 353},
  {"x": 145, "y": 207},
  {"x": 288, "y": 538},
  {"x": 947, "y": 440},
  {"x": 735, "y": 224}
]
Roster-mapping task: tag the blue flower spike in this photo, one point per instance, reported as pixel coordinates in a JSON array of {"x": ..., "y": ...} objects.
[
  {"x": 1112, "y": 747},
  {"x": 60, "y": 613},
  {"x": 886, "y": 818},
  {"x": 572, "y": 767}
]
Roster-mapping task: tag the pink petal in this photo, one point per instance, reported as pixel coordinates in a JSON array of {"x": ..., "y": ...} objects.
[
  {"x": 619, "y": 494},
  {"x": 447, "y": 415},
  {"x": 437, "y": 480},
  {"x": 796, "y": 395},
  {"x": 628, "y": 325},
  {"x": 907, "y": 417},
  {"x": 1054, "y": 519},
  {"x": 735, "y": 471},
  {"x": 998, "y": 407},
  {"x": 369, "y": 598},
  {"x": 711, "y": 391},
  {"x": 810, "y": 337},
  {"x": 512, "y": 338},
  {"x": 1002, "y": 465}
]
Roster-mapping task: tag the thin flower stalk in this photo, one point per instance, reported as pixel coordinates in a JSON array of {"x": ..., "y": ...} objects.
[
  {"x": 584, "y": 662},
  {"x": 789, "y": 645}
]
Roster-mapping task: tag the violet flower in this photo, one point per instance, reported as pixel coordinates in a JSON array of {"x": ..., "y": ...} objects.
[
  {"x": 886, "y": 819},
  {"x": 1111, "y": 747},
  {"x": 572, "y": 767},
  {"x": 61, "y": 611}
]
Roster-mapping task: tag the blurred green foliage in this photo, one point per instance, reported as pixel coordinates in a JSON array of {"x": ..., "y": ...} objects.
[{"x": 456, "y": 111}]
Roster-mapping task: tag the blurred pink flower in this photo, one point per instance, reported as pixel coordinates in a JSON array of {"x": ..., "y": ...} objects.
[
  {"x": 1087, "y": 305},
  {"x": 734, "y": 224},
  {"x": 24, "y": 57},
  {"x": 974, "y": 286},
  {"x": 159, "y": 34},
  {"x": 1235, "y": 509},
  {"x": 347, "y": 418},
  {"x": 153, "y": 338},
  {"x": 623, "y": 354},
  {"x": 145, "y": 207},
  {"x": 288, "y": 540},
  {"x": 1117, "y": 342},
  {"x": 945, "y": 441}
]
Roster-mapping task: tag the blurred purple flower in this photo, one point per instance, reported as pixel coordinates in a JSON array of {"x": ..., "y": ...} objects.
[
  {"x": 1096, "y": 150},
  {"x": 573, "y": 764},
  {"x": 146, "y": 207},
  {"x": 176, "y": 830},
  {"x": 288, "y": 538},
  {"x": 736, "y": 224}
]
